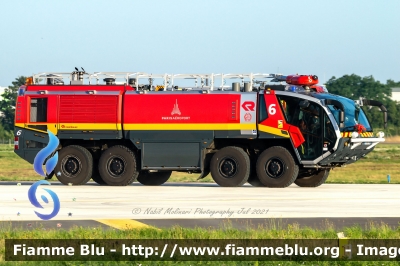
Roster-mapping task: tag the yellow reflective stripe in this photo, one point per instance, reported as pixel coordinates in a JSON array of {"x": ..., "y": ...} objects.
[
  {"x": 73, "y": 126},
  {"x": 87, "y": 126},
  {"x": 19, "y": 124},
  {"x": 363, "y": 135},
  {"x": 181, "y": 126},
  {"x": 273, "y": 131}
]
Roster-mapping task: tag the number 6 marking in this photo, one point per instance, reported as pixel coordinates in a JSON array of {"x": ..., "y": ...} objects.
[
  {"x": 272, "y": 109},
  {"x": 19, "y": 132}
]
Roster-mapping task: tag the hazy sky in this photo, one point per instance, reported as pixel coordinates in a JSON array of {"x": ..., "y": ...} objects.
[{"x": 326, "y": 38}]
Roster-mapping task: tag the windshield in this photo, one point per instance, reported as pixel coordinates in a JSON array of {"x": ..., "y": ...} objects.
[{"x": 353, "y": 115}]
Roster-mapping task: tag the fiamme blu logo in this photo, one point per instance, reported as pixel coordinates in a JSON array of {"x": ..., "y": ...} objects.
[{"x": 49, "y": 153}]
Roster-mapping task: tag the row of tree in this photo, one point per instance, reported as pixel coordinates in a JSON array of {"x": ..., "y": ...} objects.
[
  {"x": 7, "y": 107},
  {"x": 350, "y": 86}
]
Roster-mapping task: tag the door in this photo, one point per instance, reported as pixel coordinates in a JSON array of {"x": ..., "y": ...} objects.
[{"x": 308, "y": 117}]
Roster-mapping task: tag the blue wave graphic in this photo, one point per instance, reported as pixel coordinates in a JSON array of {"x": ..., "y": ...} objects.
[
  {"x": 44, "y": 153},
  {"x": 35, "y": 202}
]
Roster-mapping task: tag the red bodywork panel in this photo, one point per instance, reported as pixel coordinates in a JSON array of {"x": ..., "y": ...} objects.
[
  {"x": 114, "y": 104},
  {"x": 74, "y": 104},
  {"x": 276, "y": 118},
  {"x": 296, "y": 136},
  {"x": 89, "y": 108},
  {"x": 20, "y": 112},
  {"x": 181, "y": 108},
  {"x": 276, "y": 123},
  {"x": 306, "y": 80}
]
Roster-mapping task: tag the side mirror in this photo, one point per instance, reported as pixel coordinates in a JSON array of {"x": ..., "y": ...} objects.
[
  {"x": 339, "y": 106},
  {"x": 304, "y": 104},
  {"x": 381, "y": 106},
  {"x": 341, "y": 119}
]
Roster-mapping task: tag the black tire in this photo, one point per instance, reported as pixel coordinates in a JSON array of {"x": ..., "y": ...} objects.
[
  {"x": 117, "y": 166},
  {"x": 96, "y": 175},
  {"x": 314, "y": 180},
  {"x": 255, "y": 182},
  {"x": 230, "y": 167},
  {"x": 75, "y": 165},
  {"x": 276, "y": 167},
  {"x": 153, "y": 178},
  {"x": 253, "y": 179}
]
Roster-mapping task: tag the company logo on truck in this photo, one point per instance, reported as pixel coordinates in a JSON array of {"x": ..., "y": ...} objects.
[
  {"x": 248, "y": 106},
  {"x": 64, "y": 126},
  {"x": 247, "y": 117},
  {"x": 176, "y": 114},
  {"x": 175, "y": 110}
]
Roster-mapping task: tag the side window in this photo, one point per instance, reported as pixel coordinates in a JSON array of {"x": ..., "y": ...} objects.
[
  {"x": 310, "y": 119},
  {"x": 262, "y": 112},
  {"x": 38, "y": 110},
  {"x": 289, "y": 107}
]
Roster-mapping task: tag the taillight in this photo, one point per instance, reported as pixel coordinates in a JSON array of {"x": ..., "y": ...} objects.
[{"x": 16, "y": 143}]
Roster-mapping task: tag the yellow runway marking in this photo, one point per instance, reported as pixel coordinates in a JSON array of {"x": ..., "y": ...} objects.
[{"x": 124, "y": 224}]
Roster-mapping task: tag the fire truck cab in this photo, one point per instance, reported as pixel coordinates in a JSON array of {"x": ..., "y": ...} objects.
[{"x": 265, "y": 129}]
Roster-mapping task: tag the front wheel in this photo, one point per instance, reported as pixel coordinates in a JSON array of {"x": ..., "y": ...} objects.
[
  {"x": 230, "y": 167},
  {"x": 276, "y": 167},
  {"x": 314, "y": 180},
  {"x": 117, "y": 166},
  {"x": 75, "y": 165},
  {"x": 148, "y": 178}
]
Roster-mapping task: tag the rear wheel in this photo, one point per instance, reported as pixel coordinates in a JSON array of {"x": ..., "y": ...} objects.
[
  {"x": 276, "y": 167},
  {"x": 148, "y": 178},
  {"x": 255, "y": 182},
  {"x": 117, "y": 166},
  {"x": 314, "y": 180},
  {"x": 253, "y": 178},
  {"x": 230, "y": 167},
  {"x": 75, "y": 165},
  {"x": 96, "y": 175}
]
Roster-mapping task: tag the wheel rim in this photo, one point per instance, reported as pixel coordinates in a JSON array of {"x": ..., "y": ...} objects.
[
  {"x": 116, "y": 166},
  {"x": 275, "y": 167},
  {"x": 71, "y": 166},
  {"x": 228, "y": 167}
]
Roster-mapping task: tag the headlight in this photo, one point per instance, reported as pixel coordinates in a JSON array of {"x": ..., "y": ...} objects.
[
  {"x": 354, "y": 135},
  {"x": 380, "y": 134}
]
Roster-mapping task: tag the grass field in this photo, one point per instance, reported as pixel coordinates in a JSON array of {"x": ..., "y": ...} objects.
[{"x": 373, "y": 169}]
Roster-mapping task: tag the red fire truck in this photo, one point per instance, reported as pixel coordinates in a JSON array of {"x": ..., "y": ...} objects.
[{"x": 265, "y": 129}]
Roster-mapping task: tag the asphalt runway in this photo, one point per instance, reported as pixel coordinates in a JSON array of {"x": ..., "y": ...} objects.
[{"x": 202, "y": 205}]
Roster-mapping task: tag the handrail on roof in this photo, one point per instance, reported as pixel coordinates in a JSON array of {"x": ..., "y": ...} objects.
[{"x": 207, "y": 81}]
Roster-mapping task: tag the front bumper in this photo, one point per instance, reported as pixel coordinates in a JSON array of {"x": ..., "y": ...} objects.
[{"x": 350, "y": 150}]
